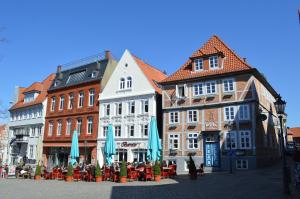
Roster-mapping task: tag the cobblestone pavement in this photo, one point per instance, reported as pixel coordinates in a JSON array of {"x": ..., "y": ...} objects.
[{"x": 265, "y": 184}]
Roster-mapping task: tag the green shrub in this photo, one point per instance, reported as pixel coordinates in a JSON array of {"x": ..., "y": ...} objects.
[
  {"x": 38, "y": 170},
  {"x": 156, "y": 169},
  {"x": 123, "y": 170},
  {"x": 70, "y": 170},
  {"x": 98, "y": 172}
]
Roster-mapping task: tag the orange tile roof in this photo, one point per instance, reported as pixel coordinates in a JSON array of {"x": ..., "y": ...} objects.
[
  {"x": 37, "y": 86},
  {"x": 232, "y": 62},
  {"x": 152, "y": 73},
  {"x": 295, "y": 131}
]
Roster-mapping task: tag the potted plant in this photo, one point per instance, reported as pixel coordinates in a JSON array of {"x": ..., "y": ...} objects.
[
  {"x": 98, "y": 173},
  {"x": 37, "y": 175},
  {"x": 69, "y": 177},
  {"x": 123, "y": 173},
  {"x": 157, "y": 171},
  {"x": 192, "y": 169}
]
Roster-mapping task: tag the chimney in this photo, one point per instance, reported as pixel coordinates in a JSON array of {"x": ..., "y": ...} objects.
[
  {"x": 107, "y": 54},
  {"x": 58, "y": 70},
  {"x": 245, "y": 59}
]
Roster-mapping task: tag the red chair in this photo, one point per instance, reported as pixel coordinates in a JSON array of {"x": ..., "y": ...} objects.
[
  {"x": 132, "y": 174},
  {"x": 148, "y": 174},
  {"x": 106, "y": 175},
  {"x": 76, "y": 175},
  {"x": 172, "y": 171},
  {"x": 48, "y": 175},
  {"x": 89, "y": 177},
  {"x": 164, "y": 173},
  {"x": 60, "y": 175},
  {"x": 116, "y": 176}
]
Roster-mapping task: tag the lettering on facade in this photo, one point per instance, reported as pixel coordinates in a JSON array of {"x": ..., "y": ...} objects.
[
  {"x": 210, "y": 123},
  {"x": 126, "y": 144}
]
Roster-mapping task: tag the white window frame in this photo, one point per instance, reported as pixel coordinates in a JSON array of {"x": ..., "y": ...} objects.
[
  {"x": 31, "y": 154},
  {"x": 171, "y": 138},
  {"x": 233, "y": 137},
  {"x": 104, "y": 131},
  {"x": 53, "y": 103},
  {"x": 71, "y": 101},
  {"x": 244, "y": 112},
  {"x": 130, "y": 104},
  {"x": 107, "y": 110},
  {"x": 228, "y": 82},
  {"x": 192, "y": 112},
  {"x": 91, "y": 97},
  {"x": 196, "y": 88},
  {"x": 61, "y": 102},
  {"x": 50, "y": 130},
  {"x": 230, "y": 112},
  {"x": 185, "y": 91},
  {"x": 213, "y": 62},
  {"x": 68, "y": 126},
  {"x": 80, "y": 99},
  {"x": 242, "y": 161},
  {"x": 130, "y": 127},
  {"x": 119, "y": 131},
  {"x": 172, "y": 118},
  {"x": 79, "y": 125},
  {"x": 90, "y": 125},
  {"x": 209, "y": 87},
  {"x": 144, "y": 130},
  {"x": 198, "y": 64},
  {"x": 59, "y": 128},
  {"x": 144, "y": 104},
  {"x": 191, "y": 140},
  {"x": 243, "y": 136},
  {"x": 117, "y": 108},
  {"x": 129, "y": 82},
  {"x": 122, "y": 83}
]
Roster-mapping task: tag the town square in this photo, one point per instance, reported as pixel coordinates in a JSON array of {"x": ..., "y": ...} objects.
[{"x": 138, "y": 99}]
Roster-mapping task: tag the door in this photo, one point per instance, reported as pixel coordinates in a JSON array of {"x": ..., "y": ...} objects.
[{"x": 212, "y": 154}]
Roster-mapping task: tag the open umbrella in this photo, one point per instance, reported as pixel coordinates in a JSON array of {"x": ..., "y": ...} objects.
[
  {"x": 74, "y": 148},
  {"x": 110, "y": 146},
  {"x": 154, "y": 145}
]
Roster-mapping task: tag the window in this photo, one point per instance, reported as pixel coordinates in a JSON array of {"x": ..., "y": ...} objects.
[
  {"x": 129, "y": 82},
  {"x": 130, "y": 130},
  {"x": 122, "y": 83},
  {"x": 105, "y": 130},
  {"x": 56, "y": 83},
  {"x": 139, "y": 155},
  {"x": 58, "y": 133},
  {"x": 241, "y": 164},
  {"x": 80, "y": 100},
  {"x": 50, "y": 130},
  {"x": 53, "y": 102},
  {"x": 90, "y": 125},
  {"x": 31, "y": 152},
  {"x": 32, "y": 114},
  {"x": 174, "y": 117},
  {"x": 229, "y": 113},
  {"x": 192, "y": 141},
  {"x": 117, "y": 131},
  {"x": 71, "y": 101},
  {"x": 145, "y": 106},
  {"x": 144, "y": 129},
  {"x": 244, "y": 112},
  {"x": 131, "y": 107},
  {"x": 69, "y": 124},
  {"x": 61, "y": 102},
  {"x": 79, "y": 124},
  {"x": 106, "y": 110},
  {"x": 198, "y": 89},
  {"x": 91, "y": 97},
  {"x": 181, "y": 91},
  {"x": 33, "y": 131},
  {"x": 231, "y": 141},
  {"x": 173, "y": 141},
  {"x": 213, "y": 62},
  {"x": 119, "y": 108},
  {"x": 228, "y": 85},
  {"x": 211, "y": 88},
  {"x": 198, "y": 64},
  {"x": 245, "y": 139},
  {"x": 39, "y": 130},
  {"x": 192, "y": 116},
  {"x": 93, "y": 75},
  {"x": 121, "y": 155}
]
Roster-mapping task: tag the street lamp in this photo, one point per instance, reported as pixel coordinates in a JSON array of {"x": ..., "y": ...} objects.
[{"x": 280, "y": 107}]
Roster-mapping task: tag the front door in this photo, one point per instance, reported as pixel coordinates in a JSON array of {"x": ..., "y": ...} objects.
[{"x": 212, "y": 150}]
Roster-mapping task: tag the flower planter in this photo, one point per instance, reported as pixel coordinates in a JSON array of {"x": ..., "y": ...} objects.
[
  {"x": 37, "y": 177},
  {"x": 157, "y": 178},
  {"x": 69, "y": 178},
  {"x": 98, "y": 179},
  {"x": 123, "y": 179}
]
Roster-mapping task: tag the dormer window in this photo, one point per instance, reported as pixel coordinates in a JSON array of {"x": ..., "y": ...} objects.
[
  {"x": 93, "y": 75},
  {"x": 198, "y": 64},
  {"x": 213, "y": 62},
  {"x": 29, "y": 97},
  {"x": 56, "y": 83}
]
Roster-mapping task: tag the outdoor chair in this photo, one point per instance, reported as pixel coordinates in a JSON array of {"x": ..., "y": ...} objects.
[
  {"x": 164, "y": 173},
  {"x": 132, "y": 174},
  {"x": 172, "y": 171},
  {"x": 47, "y": 175},
  {"x": 76, "y": 175},
  {"x": 106, "y": 175},
  {"x": 148, "y": 174}
]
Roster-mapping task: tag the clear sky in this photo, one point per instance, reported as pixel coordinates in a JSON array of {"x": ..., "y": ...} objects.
[{"x": 43, "y": 34}]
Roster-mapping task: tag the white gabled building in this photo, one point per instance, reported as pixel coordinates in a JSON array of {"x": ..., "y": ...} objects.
[
  {"x": 131, "y": 96},
  {"x": 27, "y": 120}
]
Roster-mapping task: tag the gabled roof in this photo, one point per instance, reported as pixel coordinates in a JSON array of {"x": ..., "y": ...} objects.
[
  {"x": 40, "y": 87},
  {"x": 153, "y": 75},
  {"x": 232, "y": 62},
  {"x": 295, "y": 131}
]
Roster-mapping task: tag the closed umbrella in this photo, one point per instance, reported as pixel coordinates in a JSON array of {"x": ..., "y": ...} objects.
[
  {"x": 110, "y": 146},
  {"x": 74, "y": 148},
  {"x": 154, "y": 145}
]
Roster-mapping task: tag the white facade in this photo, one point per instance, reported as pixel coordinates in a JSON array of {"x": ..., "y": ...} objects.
[
  {"x": 26, "y": 129},
  {"x": 127, "y": 102}
]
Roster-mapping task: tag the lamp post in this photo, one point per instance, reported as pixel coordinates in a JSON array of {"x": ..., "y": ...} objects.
[{"x": 280, "y": 107}]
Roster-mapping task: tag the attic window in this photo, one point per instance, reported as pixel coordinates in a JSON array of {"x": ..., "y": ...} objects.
[
  {"x": 198, "y": 64},
  {"x": 56, "y": 83},
  {"x": 93, "y": 75},
  {"x": 126, "y": 65},
  {"x": 213, "y": 62}
]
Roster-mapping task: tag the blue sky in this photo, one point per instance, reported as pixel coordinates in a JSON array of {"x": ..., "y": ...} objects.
[{"x": 43, "y": 34}]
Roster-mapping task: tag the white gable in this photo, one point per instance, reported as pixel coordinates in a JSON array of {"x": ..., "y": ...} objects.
[{"x": 127, "y": 67}]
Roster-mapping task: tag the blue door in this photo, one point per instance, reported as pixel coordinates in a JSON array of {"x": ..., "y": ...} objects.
[{"x": 212, "y": 154}]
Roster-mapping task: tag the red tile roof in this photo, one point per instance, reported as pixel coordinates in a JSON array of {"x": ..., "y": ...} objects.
[
  {"x": 152, "y": 73},
  {"x": 37, "y": 86},
  {"x": 295, "y": 131},
  {"x": 232, "y": 62}
]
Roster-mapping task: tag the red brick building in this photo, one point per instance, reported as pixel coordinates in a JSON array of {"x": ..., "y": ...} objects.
[{"x": 73, "y": 105}]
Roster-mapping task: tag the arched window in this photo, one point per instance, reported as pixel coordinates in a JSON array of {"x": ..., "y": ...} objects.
[
  {"x": 129, "y": 82},
  {"x": 122, "y": 83}
]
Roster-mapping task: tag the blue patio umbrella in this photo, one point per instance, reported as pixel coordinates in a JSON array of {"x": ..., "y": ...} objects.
[
  {"x": 154, "y": 145},
  {"x": 110, "y": 146},
  {"x": 74, "y": 148}
]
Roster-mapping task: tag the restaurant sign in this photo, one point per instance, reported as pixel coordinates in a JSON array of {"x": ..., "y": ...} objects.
[{"x": 129, "y": 144}]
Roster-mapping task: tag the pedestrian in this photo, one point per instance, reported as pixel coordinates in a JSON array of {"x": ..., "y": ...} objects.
[{"x": 6, "y": 171}]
